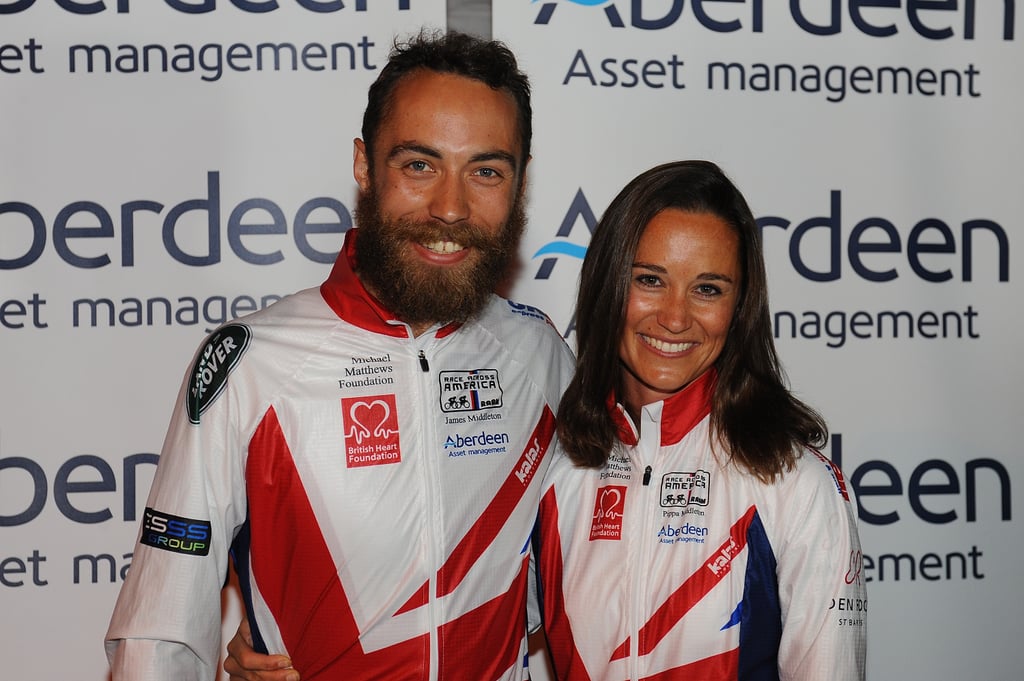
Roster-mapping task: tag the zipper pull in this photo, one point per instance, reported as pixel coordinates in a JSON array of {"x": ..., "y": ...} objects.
[
  {"x": 423, "y": 362},
  {"x": 647, "y": 476}
]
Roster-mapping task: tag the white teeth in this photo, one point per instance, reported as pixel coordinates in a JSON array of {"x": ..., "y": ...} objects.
[
  {"x": 667, "y": 347},
  {"x": 443, "y": 246}
]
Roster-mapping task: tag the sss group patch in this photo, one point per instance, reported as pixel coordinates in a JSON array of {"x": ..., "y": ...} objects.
[{"x": 175, "y": 533}]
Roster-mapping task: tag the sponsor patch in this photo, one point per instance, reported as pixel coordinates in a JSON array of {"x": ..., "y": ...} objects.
[
  {"x": 684, "y": 533},
  {"x": 175, "y": 533},
  {"x": 371, "y": 431},
  {"x": 837, "y": 475},
  {"x": 721, "y": 562},
  {"x": 373, "y": 370},
  {"x": 529, "y": 310},
  {"x": 853, "y": 574},
  {"x": 849, "y": 605},
  {"x": 470, "y": 390},
  {"x": 527, "y": 464},
  {"x": 680, "y": 490},
  {"x": 210, "y": 372},
  {"x": 609, "y": 506},
  {"x": 482, "y": 443}
]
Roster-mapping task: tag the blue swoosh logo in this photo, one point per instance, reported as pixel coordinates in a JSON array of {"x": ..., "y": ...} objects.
[
  {"x": 561, "y": 248},
  {"x": 734, "y": 619}
]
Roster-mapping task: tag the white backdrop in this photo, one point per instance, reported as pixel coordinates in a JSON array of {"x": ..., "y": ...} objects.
[
  {"x": 876, "y": 205},
  {"x": 200, "y": 186},
  {"x": 211, "y": 152}
]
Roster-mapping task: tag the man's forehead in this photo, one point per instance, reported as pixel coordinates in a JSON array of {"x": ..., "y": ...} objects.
[{"x": 429, "y": 107}]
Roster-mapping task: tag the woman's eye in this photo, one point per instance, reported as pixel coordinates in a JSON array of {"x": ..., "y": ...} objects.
[{"x": 708, "y": 290}]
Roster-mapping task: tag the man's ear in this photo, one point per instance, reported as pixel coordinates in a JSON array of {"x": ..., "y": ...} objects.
[{"x": 360, "y": 164}]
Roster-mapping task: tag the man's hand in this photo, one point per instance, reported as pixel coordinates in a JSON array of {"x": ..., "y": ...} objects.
[{"x": 245, "y": 664}]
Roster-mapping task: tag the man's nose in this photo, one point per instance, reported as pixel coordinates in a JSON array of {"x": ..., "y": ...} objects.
[{"x": 448, "y": 202}]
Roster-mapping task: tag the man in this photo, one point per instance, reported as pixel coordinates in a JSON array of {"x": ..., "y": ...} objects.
[{"x": 371, "y": 451}]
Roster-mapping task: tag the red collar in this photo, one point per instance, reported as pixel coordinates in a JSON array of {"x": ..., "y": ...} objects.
[
  {"x": 350, "y": 300},
  {"x": 679, "y": 413}
]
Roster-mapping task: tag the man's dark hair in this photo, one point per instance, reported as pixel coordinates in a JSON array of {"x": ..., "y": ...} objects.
[{"x": 487, "y": 61}]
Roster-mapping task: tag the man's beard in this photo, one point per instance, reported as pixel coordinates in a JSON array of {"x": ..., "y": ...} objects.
[{"x": 420, "y": 293}]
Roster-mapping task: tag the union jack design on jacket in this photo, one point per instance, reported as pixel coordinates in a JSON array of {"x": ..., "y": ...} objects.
[
  {"x": 670, "y": 564},
  {"x": 377, "y": 493}
]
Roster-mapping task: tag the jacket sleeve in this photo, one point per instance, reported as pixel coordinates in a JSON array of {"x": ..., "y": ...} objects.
[
  {"x": 166, "y": 624},
  {"x": 821, "y": 585}
]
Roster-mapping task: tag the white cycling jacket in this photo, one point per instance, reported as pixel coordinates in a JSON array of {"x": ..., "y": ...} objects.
[
  {"x": 377, "y": 492},
  {"x": 669, "y": 564}
]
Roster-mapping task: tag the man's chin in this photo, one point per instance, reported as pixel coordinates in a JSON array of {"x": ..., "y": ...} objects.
[
  {"x": 421, "y": 284},
  {"x": 436, "y": 293}
]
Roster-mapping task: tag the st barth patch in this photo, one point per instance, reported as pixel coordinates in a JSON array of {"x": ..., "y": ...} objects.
[{"x": 209, "y": 375}]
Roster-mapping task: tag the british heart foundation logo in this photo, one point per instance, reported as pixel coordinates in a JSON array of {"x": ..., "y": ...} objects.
[
  {"x": 608, "y": 508},
  {"x": 371, "y": 431}
]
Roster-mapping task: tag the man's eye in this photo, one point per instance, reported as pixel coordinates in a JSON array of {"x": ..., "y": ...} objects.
[
  {"x": 418, "y": 166},
  {"x": 488, "y": 173}
]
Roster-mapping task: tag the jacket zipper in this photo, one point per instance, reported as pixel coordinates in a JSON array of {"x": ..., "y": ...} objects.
[
  {"x": 649, "y": 432},
  {"x": 431, "y": 480}
]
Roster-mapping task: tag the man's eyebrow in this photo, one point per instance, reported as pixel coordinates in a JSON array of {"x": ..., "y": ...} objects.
[
  {"x": 431, "y": 152},
  {"x": 413, "y": 148},
  {"x": 502, "y": 156}
]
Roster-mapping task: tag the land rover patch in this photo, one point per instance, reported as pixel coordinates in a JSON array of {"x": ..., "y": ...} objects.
[{"x": 218, "y": 358}]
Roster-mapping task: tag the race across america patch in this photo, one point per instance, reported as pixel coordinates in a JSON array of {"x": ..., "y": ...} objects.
[{"x": 217, "y": 359}]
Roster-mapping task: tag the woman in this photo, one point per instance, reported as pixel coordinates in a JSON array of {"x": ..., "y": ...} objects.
[{"x": 693, "y": 531}]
